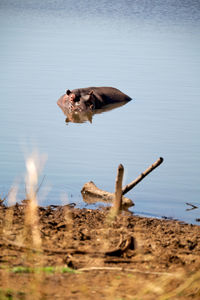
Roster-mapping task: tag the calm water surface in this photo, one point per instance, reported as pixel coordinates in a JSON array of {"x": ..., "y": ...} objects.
[{"x": 148, "y": 49}]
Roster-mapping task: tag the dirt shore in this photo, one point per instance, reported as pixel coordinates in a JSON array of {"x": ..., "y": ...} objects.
[{"x": 87, "y": 254}]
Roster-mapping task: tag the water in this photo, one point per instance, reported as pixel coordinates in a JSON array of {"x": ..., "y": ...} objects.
[{"x": 148, "y": 49}]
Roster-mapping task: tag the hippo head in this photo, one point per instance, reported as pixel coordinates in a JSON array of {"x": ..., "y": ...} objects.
[
  {"x": 71, "y": 102},
  {"x": 79, "y": 105}
]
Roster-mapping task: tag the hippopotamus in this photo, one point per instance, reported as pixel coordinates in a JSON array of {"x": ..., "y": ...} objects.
[{"x": 87, "y": 101}]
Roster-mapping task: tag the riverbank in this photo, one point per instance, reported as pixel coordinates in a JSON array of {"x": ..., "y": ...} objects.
[{"x": 87, "y": 253}]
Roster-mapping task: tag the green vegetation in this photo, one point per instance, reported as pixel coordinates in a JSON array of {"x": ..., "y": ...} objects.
[{"x": 47, "y": 270}]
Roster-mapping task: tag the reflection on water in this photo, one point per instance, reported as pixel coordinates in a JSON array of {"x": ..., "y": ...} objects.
[
  {"x": 148, "y": 49},
  {"x": 82, "y": 117}
]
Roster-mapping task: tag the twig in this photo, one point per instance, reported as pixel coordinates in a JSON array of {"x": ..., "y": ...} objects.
[
  {"x": 193, "y": 206},
  {"x": 131, "y": 185},
  {"x": 37, "y": 190},
  {"x": 16, "y": 246},
  {"x": 6, "y": 196},
  {"x": 118, "y": 251},
  {"x": 123, "y": 270}
]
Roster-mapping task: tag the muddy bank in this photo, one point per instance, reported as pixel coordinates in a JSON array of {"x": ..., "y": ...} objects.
[{"x": 116, "y": 258}]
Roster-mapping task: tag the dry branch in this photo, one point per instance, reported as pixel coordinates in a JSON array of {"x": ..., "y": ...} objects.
[
  {"x": 192, "y": 206},
  {"x": 122, "y": 247},
  {"x": 92, "y": 194},
  {"x": 123, "y": 270},
  {"x": 131, "y": 185},
  {"x": 19, "y": 247},
  {"x": 117, "y": 205}
]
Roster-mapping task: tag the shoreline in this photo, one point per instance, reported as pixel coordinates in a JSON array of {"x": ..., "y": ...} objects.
[{"x": 97, "y": 249}]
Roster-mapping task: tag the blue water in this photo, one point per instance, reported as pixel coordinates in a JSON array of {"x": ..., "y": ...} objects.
[{"x": 148, "y": 49}]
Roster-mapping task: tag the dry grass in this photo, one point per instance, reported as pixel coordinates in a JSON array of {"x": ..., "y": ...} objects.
[{"x": 31, "y": 235}]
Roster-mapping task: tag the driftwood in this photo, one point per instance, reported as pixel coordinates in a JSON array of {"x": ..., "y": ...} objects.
[{"x": 92, "y": 194}]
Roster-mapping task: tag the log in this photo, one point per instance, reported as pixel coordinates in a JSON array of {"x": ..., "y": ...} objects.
[
  {"x": 92, "y": 194},
  {"x": 131, "y": 185}
]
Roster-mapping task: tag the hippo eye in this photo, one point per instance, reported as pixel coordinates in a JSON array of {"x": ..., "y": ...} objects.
[{"x": 72, "y": 97}]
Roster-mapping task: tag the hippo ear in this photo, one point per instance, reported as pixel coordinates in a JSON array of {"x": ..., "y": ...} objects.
[{"x": 68, "y": 92}]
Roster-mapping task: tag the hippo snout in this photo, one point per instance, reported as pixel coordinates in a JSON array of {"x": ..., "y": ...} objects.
[
  {"x": 62, "y": 101},
  {"x": 67, "y": 103}
]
